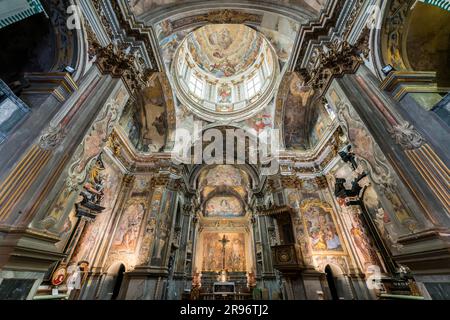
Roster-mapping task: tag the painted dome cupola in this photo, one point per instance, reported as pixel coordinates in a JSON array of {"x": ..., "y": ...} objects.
[{"x": 224, "y": 71}]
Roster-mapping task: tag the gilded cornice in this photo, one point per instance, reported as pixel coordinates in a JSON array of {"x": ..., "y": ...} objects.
[
  {"x": 112, "y": 59},
  {"x": 400, "y": 83},
  {"x": 291, "y": 182},
  {"x": 275, "y": 211},
  {"x": 122, "y": 150},
  {"x": 315, "y": 164},
  {"x": 316, "y": 29},
  {"x": 140, "y": 33},
  {"x": 339, "y": 58}
]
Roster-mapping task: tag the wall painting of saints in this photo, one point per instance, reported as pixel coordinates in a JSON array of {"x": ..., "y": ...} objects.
[
  {"x": 321, "y": 227},
  {"x": 225, "y": 206}
]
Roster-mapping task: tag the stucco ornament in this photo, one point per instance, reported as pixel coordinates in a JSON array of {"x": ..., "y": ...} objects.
[{"x": 406, "y": 136}]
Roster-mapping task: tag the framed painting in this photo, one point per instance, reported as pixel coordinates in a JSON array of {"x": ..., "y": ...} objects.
[{"x": 323, "y": 234}]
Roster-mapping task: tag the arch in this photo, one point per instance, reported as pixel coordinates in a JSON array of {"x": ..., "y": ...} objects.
[
  {"x": 112, "y": 282},
  {"x": 331, "y": 282},
  {"x": 41, "y": 44},
  {"x": 251, "y": 139},
  {"x": 337, "y": 283},
  {"x": 217, "y": 11},
  {"x": 409, "y": 37},
  {"x": 250, "y": 169}
]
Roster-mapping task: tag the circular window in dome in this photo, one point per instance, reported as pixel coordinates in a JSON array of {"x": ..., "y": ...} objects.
[{"x": 225, "y": 71}]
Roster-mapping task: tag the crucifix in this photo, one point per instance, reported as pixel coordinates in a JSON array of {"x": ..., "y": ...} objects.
[{"x": 224, "y": 242}]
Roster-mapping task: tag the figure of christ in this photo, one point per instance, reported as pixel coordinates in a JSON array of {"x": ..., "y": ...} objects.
[{"x": 223, "y": 242}]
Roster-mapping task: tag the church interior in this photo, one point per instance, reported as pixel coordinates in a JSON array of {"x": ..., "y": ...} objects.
[{"x": 224, "y": 150}]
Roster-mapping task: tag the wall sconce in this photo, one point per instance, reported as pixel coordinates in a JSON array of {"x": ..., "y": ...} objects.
[
  {"x": 387, "y": 69},
  {"x": 69, "y": 69}
]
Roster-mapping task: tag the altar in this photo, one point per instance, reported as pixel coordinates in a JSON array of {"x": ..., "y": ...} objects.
[
  {"x": 224, "y": 288},
  {"x": 224, "y": 262}
]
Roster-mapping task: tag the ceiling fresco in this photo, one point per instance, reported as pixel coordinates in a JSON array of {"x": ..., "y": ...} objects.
[
  {"x": 225, "y": 50},
  {"x": 224, "y": 178},
  {"x": 295, "y": 109},
  {"x": 225, "y": 175},
  {"x": 278, "y": 30},
  {"x": 305, "y": 120},
  {"x": 145, "y": 120},
  {"x": 224, "y": 207}
]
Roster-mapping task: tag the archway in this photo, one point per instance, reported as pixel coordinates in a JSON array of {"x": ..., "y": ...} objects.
[
  {"x": 331, "y": 283},
  {"x": 112, "y": 282},
  {"x": 337, "y": 283},
  {"x": 28, "y": 46},
  {"x": 223, "y": 252},
  {"x": 427, "y": 41}
]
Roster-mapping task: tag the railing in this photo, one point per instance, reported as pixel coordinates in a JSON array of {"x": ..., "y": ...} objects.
[{"x": 228, "y": 296}]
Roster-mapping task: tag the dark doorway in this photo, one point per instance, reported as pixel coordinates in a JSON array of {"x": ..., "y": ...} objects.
[
  {"x": 331, "y": 283},
  {"x": 112, "y": 282},
  {"x": 118, "y": 283},
  {"x": 27, "y": 46}
]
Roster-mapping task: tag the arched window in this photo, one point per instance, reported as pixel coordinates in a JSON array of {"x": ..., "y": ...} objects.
[
  {"x": 253, "y": 85},
  {"x": 196, "y": 85}
]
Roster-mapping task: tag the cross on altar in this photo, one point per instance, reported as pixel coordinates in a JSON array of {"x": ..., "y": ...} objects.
[{"x": 224, "y": 242}]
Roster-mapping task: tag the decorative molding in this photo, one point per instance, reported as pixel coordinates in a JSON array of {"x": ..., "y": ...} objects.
[
  {"x": 406, "y": 136},
  {"x": 52, "y": 137},
  {"x": 352, "y": 18},
  {"x": 230, "y": 16},
  {"x": 401, "y": 83},
  {"x": 291, "y": 182},
  {"x": 114, "y": 61},
  {"x": 435, "y": 173},
  {"x": 338, "y": 58},
  {"x": 317, "y": 29}
]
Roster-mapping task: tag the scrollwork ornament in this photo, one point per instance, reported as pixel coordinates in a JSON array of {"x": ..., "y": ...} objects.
[
  {"x": 52, "y": 137},
  {"x": 407, "y": 136}
]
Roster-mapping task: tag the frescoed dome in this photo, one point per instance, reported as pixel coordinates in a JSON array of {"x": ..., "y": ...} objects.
[
  {"x": 225, "y": 50},
  {"x": 225, "y": 71}
]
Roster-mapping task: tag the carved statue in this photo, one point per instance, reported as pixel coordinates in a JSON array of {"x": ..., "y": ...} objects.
[
  {"x": 93, "y": 189},
  {"x": 349, "y": 156},
  {"x": 341, "y": 192}
]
